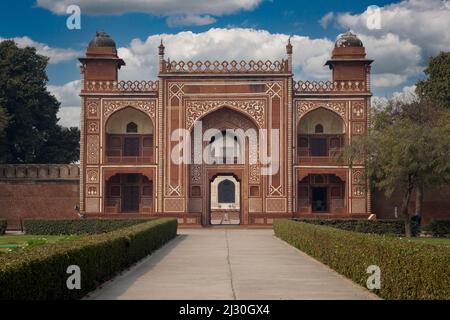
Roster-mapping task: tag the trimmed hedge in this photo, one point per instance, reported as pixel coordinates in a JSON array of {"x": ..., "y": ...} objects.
[
  {"x": 393, "y": 227},
  {"x": 439, "y": 228},
  {"x": 2, "y": 226},
  {"x": 76, "y": 226},
  {"x": 40, "y": 273},
  {"x": 409, "y": 270}
]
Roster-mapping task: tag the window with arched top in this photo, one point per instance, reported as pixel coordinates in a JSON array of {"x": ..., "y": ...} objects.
[
  {"x": 226, "y": 191},
  {"x": 132, "y": 127},
  {"x": 318, "y": 128},
  {"x": 225, "y": 147}
]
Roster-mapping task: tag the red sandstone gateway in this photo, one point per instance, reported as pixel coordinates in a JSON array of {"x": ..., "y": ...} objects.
[{"x": 126, "y": 146}]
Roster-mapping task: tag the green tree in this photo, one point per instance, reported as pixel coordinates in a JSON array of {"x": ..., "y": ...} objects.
[
  {"x": 32, "y": 133},
  {"x": 435, "y": 88},
  {"x": 436, "y": 85},
  {"x": 4, "y": 119},
  {"x": 407, "y": 146}
]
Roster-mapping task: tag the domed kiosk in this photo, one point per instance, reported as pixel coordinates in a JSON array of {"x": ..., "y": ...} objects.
[
  {"x": 348, "y": 60},
  {"x": 101, "y": 56}
]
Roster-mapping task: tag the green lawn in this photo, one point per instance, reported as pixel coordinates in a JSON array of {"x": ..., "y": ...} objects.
[
  {"x": 435, "y": 241},
  {"x": 18, "y": 242}
]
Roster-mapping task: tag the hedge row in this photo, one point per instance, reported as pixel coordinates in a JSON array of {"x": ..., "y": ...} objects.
[
  {"x": 40, "y": 273},
  {"x": 440, "y": 228},
  {"x": 393, "y": 227},
  {"x": 409, "y": 270},
  {"x": 76, "y": 226},
  {"x": 2, "y": 226}
]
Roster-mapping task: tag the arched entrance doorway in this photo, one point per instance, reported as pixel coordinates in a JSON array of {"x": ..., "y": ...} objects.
[
  {"x": 225, "y": 200},
  {"x": 228, "y": 143}
]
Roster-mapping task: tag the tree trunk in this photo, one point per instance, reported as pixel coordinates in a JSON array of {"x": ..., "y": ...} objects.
[
  {"x": 419, "y": 199},
  {"x": 405, "y": 212},
  {"x": 408, "y": 227}
]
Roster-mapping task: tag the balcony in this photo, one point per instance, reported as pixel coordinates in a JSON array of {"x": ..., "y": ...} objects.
[
  {"x": 129, "y": 160},
  {"x": 129, "y": 149},
  {"x": 330, "y": 159},
  {"x": 320, "y": 149}
]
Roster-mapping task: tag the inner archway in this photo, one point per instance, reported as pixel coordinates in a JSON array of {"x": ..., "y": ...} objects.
[
  {"x": 229, "y": 144},
  {"x": 225, "y": 200},
  {"x": 320, "y": 134},
  {"x": 129, "y": 137}
]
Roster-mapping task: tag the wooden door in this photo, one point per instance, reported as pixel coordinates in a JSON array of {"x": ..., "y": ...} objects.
[
  {"x": 319, "y": 147},
  {"x": 131, "y": 147},
  {"x": 130, "y": 199}
]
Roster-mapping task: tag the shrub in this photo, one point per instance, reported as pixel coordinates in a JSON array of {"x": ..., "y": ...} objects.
[
  {"x": 409, "y": 270},
  {"x": 2, "y": 226},
  {"x": 393, "y": 227},
  {"x": 40, "y": 273},
  {"x": 76, "y": 226},
  {"x": 439, "y": 228}
]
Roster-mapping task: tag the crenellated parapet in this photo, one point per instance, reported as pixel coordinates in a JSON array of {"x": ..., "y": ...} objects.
[
  {"x": 121, "y": 86},
  {"x": 39, "y": 172},
  {"x": 349, "y": 86},
  {"x": 226, "y": 67}
]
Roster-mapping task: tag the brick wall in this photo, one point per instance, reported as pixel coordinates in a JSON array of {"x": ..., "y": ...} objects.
[
  {"x": 38, "y": 191},
  {"x": 436, "y": 204}
]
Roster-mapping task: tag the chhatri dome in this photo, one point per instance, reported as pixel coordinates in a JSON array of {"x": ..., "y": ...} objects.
[
  {"x": 102, "y": 39},
  {"x": 348, "y": 39}
]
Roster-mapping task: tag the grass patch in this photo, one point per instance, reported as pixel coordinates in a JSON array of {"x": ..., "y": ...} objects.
[
  {"x": 433, "y": 241},
  {"x": 17, "y": 242}
]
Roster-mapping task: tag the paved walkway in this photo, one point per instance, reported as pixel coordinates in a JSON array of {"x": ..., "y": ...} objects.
[{"x": 229, "y": 264}]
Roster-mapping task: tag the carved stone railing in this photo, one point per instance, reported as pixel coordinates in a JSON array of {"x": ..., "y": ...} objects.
[
  {"x": 121, "y": 86},
  {"x": 39, "y": 172},
  {"x": 217, "y": 67},
  {"x": 329, "y": 86}
]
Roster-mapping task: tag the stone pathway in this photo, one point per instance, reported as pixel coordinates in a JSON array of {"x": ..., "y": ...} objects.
[{"x": 229, "y": 264}]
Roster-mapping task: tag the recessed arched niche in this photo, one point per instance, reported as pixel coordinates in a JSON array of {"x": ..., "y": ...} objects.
[
  {"x": 129, "y": 137},
  {"x": 320, "y": 134}
]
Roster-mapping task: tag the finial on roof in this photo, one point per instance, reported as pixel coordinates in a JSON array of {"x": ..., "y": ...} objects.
[
  {"x": 348, "y": 39},
  {"x": 102, "y": 39},
  {"x": 161, "y": 48},
  {"x": 289, "y": 46}
]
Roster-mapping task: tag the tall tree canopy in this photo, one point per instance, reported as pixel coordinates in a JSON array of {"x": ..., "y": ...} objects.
[
  {"x": 436, "y": 85},
  {"x": 32, "y": 133}
]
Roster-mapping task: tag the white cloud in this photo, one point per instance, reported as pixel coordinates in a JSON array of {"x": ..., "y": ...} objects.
[
  {"x": 226, "y": 44},
  {"x": 56, "y": 55},
  {"x": 396, "y": 60},
  {"x": 423, "y": 23},
  {"x": 407, "y": 94},
  {"x": 326, "y": 19},
  {"x": 388, "y": 80},
  {"x": 190, "y": 20},
  {"x": 68, "y": 95},
  {"x": 69, "y": 116},
  {"x": 184, "y": 10},
  {"x": 411, "y": 32}
]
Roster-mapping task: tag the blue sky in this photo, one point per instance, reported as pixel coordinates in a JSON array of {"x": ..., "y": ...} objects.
[{"x": 400, "y": 48}]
